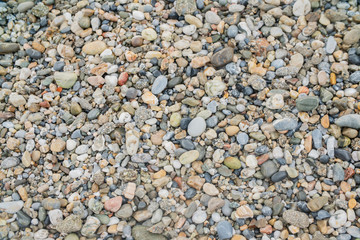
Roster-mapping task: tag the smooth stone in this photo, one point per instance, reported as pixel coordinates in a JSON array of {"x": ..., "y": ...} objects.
[
  {"x": 353, "y": 231},
  {"x": 232, "y": 162},
  {"x": 301, "y": 7},
  {"x": 268, "y": 169},
  {"x": 93, "y": 48},
  {"x": 11, "y": 207},
  {"x": 159, "y": 84},
  {"x": 342, "y": 154},
  {"x": 307, "y": 103},
  {"x": 242, "y": 138},
  {"x": 24, "y": 6},
  {"x": 317, "y": 203},
  {"x": 338, "y": 219},
  {"x": 196, "y": 127},
  {"x": 23, "y": 219},
  {"x": 9, "y": 162},
  {"x": 6, "y": 48},
  {"x": 330, "y": 45},
  {"x": 279, "y": 176},
  {"x": 65, "y": 79},
  {"x": 317, "y": 138},
  {"x": 199, "y": 216},
  {"x": 222, "y": 57},
  {"x": 339, "y": 173},
  {"x": 285, "y": 124},
  {"x": 224, "y": 230},
  {"x": 189, "y": 157},
  {"x": 354, "y": 78},
  {"x": 350, "y": 120}
]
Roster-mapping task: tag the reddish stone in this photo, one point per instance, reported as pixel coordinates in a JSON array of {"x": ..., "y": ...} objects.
[
  {"x": 123, "y": 78},
  {"x": 267, "y": 229},
  {"x": 45, "y": 104},
  {"x": 349, "y": 172},
  {"x": 113, "y": 204},
  {"x": 178, "y": 180},
  {"x": 263, "y": 158}
]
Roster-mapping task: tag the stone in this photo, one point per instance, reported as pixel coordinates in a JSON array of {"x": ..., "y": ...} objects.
[
  {"x": 224, "y": 230},
  {"x": 140, "y": 232},
  {"x": 301, "y": 7},
  {"x": 350, "y": 120},
  {"x": 199, "y": 217},
  {"x": 11, "y": 207},
  {"x": 212, "y": 18},
  {"x": 16, "y": 100},
  {"x": 113, "y": 204},
  {"x": 159, "y": 84},
  {"x": 352, "y": 36},
  {"x": 58, "y": 145},
  {"x": 149, "y": 34},
  {"x": 93, "y": 48},
  {"x": 307, "y": 103},
  {"x": 215, "y": 87},
  {"x": 6, "y": 48},
  {"x": 90, "y": 226},
  {"x": 244, "y": 212},
  {"x": 65, "y": 79},
  {"x": 189, "y": 157},
  {"x": 50, "y": 203},
  {"x": 222, "y": 57},
  {"x": 9, "y": 162},
  {"x": 142, "y": 215},
  {"x": 196, "y": 127},
  {"x": 232, "y": 162},
  {"x": 338, "y": 219},
  {"x": 25, "y": 6},
  {"x": 210, "y": 189},
  {"x": 317, "y": 203},
  {"x": 296, "y": 218},
  {"x": 268, "y": 169}
]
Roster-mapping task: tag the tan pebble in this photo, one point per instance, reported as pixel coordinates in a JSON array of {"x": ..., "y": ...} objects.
[
  {"x": 129, "y": 192},
  {"x": 244, "y": 212},
  {"x": 159, "y": 174},
  {"x": 210, "y": 189},
  {"x": 196, "y": 182},
  {"x": 232, "y": 130},
  {"x": 23, "y": 193}
]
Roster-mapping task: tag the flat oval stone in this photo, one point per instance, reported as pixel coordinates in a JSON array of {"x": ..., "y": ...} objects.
[
  {"x": 8, "y": 48},
  {"x": 93, "y": 48},
  {"x": 222, "y": 57},
  {"x": 159, "y": 84},
  {"x": 268, "y": 169},
  {"x": 189, "y": 157},
  {"x": 224, "y": 230},
  {"x": 350, "y": 120},
  {"x": 307, "y": 103},
  {"x": 232, "y": 162},
  {"x": 285, "y": 124},
  {"x": 9, "y": 162},
  {"x": 196, "y": 127}
]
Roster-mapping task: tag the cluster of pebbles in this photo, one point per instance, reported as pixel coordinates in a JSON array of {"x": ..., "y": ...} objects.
[{"x": 185, "y": 119}]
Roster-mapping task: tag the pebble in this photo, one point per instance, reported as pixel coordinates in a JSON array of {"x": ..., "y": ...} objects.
[
  {"x": 179, "y": 119},
  {"x": 196, "y": 127},
  {"x": 224, "y": 230}
]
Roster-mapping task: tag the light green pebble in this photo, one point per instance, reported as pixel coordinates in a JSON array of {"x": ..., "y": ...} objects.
[
  {"x": 65, "y": 79},
  {"x": 72, "y": 236},
  {"x": 175, "y": 119},
  {"x": 232, "y": 162}
]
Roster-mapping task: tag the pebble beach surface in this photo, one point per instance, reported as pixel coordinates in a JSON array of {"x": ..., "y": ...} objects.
[{"x": 179, "y": 119}]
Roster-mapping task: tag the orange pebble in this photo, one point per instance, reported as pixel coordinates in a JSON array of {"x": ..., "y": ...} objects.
[
  {"x": 332, "y": 78},
  {"x": 325, "y": 122},
  {"x": 352, "y": 203},
  {"x": 304, "y": 89}
]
